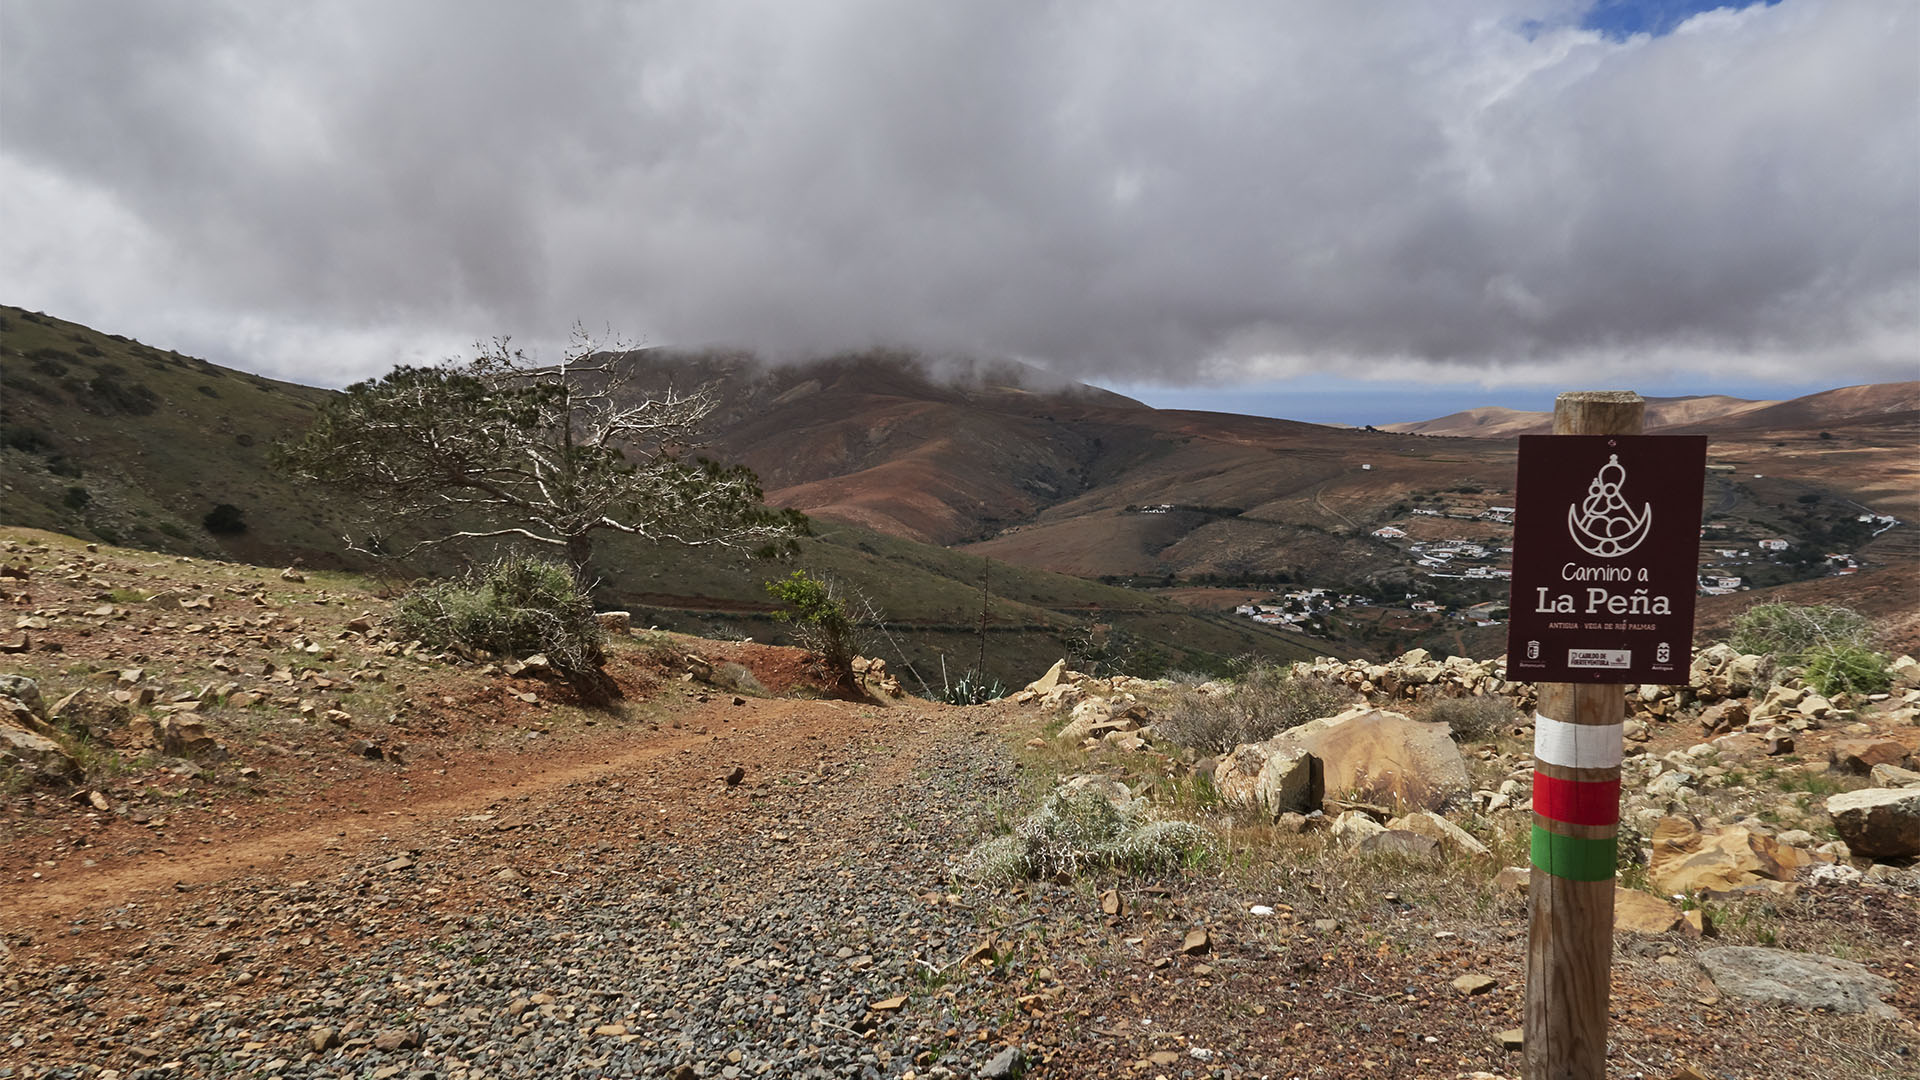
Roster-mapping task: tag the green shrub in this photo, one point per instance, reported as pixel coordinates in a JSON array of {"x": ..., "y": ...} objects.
[
  {"x": 23, "y": 438},
  {"x": 1473, "y": 719},
  {"x": 824, "y": 619},
  {"x": 51, "y": 361},
  {"x": 1071, "y": 834},
  {"x": 1791, "y": 631},
  {"x": 107, "y": 394},
  {"x": 517, "y": 606},
  {"x": 225, "y": 519},
  {"x": 1847, "y": 669},
  {"x": 1261, "y": 703},
  {"x": 76, "y": 497}
]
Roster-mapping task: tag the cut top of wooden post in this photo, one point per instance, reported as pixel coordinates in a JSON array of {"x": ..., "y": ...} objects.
[{"x": 1599, "y": 412}]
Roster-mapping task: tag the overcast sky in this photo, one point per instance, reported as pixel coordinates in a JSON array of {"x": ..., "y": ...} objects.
[{"x": 1504, "y": 193}]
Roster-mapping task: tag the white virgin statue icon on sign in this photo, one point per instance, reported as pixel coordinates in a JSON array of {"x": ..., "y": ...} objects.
[{"x": 1604, "y": 524}]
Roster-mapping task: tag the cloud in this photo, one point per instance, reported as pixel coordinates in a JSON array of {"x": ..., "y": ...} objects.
[{"x": 1115, "y": 190}]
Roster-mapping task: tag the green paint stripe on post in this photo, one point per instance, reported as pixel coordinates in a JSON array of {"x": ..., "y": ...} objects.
[{"x": 1576, "y": 858}]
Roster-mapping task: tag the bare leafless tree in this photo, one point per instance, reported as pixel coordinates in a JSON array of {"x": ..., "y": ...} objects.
[{"x": 499, "y": 446}]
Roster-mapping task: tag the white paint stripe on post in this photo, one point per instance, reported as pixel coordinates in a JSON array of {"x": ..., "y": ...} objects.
[{"x": 1576, "y": 746}]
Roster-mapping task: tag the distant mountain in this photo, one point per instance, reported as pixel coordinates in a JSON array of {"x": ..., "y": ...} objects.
[
  {"x": 1056, "y": 475},
  {"x": 940, "y": 453},
  {"x": 1871, "y": 403}
]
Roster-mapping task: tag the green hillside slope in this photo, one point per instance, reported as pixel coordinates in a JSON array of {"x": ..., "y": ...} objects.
[{"x": 106, "y": 438}]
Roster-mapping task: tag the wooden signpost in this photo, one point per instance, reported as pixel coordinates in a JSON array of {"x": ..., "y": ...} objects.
[{"x": 1603, "y": 591}]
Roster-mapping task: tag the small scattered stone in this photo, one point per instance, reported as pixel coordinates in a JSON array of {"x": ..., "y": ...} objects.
[
  {"x": 1008, "y": 1064},
  {"x": 397, "y": 1039},
  {"x": 1474, "y": 984}
]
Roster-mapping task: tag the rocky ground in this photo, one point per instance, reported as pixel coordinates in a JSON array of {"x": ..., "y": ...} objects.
[{"x": 715, "y": 878}]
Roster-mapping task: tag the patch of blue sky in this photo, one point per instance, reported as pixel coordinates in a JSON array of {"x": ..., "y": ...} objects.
[{"x": 1621, "y": 19}]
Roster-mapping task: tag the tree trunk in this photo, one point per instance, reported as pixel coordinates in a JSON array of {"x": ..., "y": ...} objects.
[{"x": 580, "y": 558}]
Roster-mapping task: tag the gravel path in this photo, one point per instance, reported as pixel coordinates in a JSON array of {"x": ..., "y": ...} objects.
[{"x": 643, "y": 922}]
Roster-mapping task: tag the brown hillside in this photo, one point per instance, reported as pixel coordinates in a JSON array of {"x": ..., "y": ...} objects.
[
  {"x": 1873, "y": 403},
  {"x": 1866, "y": 404},
  {"x": 1495, "y": 422},
  {"x": 1078, "y": 481}
]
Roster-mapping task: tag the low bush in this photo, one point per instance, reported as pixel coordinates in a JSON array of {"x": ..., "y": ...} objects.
[
  {"x": 1473, "y": 719},
  {"x": 1831, "y": 647},
  {"x": 26, "y": 439},
  {"x": 107, "y": 394},
  {"x": 517, "y": 606},
  {"x": 826, "y": 620},
  {"x": 1847, "y": 669},
  {"x": 225, "y": 519},
  {"x": 1086, "y": 832},
  {"x": 1791, "y": 631},
  {"x": 1261, "y": 703}
]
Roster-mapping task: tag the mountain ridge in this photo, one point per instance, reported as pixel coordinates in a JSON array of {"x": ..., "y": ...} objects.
[{"x": 1864, "y": 403}]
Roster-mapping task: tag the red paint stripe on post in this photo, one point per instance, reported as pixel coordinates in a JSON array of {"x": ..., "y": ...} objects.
[{"x": 1577, "y": 802}]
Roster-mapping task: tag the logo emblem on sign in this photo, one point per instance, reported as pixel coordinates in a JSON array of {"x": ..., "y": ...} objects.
[{"x": 1604, "y": 524}]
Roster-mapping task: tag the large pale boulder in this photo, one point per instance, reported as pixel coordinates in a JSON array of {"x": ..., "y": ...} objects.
[
  {"x": 1732, "y": 859},
  {"x": 1411, "y": 846},
  {"x": 1275, "y": 781},
  {"x": 1879, "y": 823},
  {"x": 1050, "y": 680},
  {"x": 1802, "y": 980},
  {"x": 1636, "y": 912},
  {"x": 1744, "y": 674},
  {"x": 39, "y": 756},
  {"x": 1893, "y": 776},
  {"x": 1859, "y": 756},
  {"x": 1780, "y": 701},
  {"x": 1383, "y": 757}
]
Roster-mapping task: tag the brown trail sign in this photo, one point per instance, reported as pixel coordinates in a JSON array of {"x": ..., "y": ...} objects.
[
  {"x": 1605, "y": 553},
  {"x": 1605, "y": 558}
]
